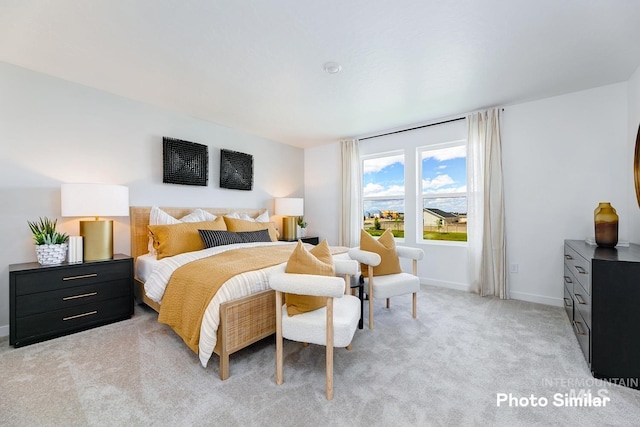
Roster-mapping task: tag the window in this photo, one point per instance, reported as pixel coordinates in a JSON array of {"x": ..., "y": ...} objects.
[
  {"x": 383, "y": 193},
  {"x": 443, "y": 174}
]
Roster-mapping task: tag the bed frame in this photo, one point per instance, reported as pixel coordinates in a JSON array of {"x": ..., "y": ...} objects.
[{"x": 242, "y": 321}]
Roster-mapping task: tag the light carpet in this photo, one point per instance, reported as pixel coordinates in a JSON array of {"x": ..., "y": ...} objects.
[{"x": 444, "y": 368}]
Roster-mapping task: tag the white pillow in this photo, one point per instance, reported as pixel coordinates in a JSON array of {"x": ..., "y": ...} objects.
[
  {"x": 198, "y": 215},
  {"x": 263, "y": 217},
  {"x": 159, "y": 217},
  {"x": 234, "y": 215}
]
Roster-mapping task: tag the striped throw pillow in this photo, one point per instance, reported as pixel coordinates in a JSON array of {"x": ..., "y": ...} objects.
[{"x": 213, "y": 238}]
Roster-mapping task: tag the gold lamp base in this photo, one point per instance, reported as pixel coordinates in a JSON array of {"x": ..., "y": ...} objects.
[
  {"x": 289, "y": 227},
  {"x": 98, "y": 239}
]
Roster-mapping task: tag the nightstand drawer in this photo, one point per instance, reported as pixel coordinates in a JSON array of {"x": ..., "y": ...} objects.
[
  {"x": 27, "y": 305},
  {"x": 70, "y": 276},
  {"x": 60, "y": 322}
]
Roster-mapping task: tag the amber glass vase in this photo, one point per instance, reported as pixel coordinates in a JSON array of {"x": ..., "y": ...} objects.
[{"x": 606, "y": 224}]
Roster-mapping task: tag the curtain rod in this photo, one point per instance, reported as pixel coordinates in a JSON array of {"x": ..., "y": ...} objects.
[{"x": 417, "y": 127}]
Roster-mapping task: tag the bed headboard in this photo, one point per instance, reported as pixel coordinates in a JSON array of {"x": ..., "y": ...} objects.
[{"x": 139, "y": 217}]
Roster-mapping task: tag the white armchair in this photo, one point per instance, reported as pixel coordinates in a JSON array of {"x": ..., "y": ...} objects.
[
  {"x": 331, "y": 326},
  {"x": 389, "y": 285}
]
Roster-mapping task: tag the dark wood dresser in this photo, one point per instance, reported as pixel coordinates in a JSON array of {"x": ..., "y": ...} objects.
[
  {"x": 50, "y": 301},
  {"x": 601, "y": 290}
]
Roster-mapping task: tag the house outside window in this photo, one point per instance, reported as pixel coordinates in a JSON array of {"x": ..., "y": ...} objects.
[
  {"x": 383, "y": 193},
  {"x": 443, "y": 181}
]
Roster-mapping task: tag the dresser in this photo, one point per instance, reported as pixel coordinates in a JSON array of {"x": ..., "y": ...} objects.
[
  {"x": 51, "y": 301},
  {"x": 602, "y": 297}
]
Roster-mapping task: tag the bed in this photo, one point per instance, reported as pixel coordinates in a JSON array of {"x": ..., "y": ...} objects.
[{"x": 242, "y": 321}]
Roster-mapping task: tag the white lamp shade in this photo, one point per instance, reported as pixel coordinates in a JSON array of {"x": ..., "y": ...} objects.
[
  {"x": 94, "y": 200},
  {"x": 289, "y": 206}
]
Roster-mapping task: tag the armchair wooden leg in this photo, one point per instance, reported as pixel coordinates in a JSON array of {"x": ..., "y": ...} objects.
[
  {"x": 349, "y": 347},
  {"x": 329, "y": 354},
  {"x": 370, "y": 295},
  {"x": 279, "y": 343},
  {"x": 415, "y": 302},
  {"x": 388, "y": 302}
]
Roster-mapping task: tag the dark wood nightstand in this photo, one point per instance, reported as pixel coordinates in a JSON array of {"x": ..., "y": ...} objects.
[
  {"x": 50, "y": 301},
  {"x": 310, "y": 240}
]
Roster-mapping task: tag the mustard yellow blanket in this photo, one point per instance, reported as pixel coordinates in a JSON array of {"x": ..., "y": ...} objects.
[{"x": 193, "y": 285}]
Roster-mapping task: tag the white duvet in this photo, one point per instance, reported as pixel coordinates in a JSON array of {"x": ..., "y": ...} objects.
[{"x": 238, "y": 286}]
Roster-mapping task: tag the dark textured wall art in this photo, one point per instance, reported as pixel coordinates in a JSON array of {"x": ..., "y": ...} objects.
[
  {"x": 184, "y": 162},
  {"x": 236, "y": 170}
]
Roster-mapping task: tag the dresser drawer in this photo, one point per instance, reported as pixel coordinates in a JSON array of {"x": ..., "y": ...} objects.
[
  {"x": 582, "y": 303},
  {"x": 60, "y": 322},
  {"x": 579, "y": 266},
  {"x": 70, "y": 276},
  {"x": 27, "y": 305},
  {"x": 568, "y": 303},
  {"x": 583, "y": 333}
]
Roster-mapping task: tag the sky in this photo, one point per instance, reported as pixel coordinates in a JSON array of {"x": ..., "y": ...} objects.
[{"x": 443, "y": 171}]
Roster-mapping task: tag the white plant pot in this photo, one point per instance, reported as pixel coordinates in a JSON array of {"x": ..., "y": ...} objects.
[
  {"x": 51, "y": 254},
  {"x": 302, "y": 232}
]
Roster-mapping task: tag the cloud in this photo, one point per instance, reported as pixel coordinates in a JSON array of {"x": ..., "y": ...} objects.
[
  {"x": 446, "y": 153},
  {"x": 377, "y": 164},
  {"x": 437, "y": 182},
  {"x": 372, "y": 189}
]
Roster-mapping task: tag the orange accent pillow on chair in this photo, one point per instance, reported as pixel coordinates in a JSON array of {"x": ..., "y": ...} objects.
[
  {"x": 385, "y": 246},
  {"x": 317, "y": 261}
]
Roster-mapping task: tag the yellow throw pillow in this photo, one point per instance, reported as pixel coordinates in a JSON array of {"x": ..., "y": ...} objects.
[
  {"x": 174, "y": 239},
  {"x": 384, "y": 246},
  {"x": 318, "y": 261},
  {"x": 234, "y": 224}
]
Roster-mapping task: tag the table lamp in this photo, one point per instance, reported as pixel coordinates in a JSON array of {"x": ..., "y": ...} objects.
[
  {"x": 290, "y": 209},
  {"x": 96, "y": 200}
]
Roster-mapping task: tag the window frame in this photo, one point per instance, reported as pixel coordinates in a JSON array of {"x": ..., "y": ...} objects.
[{"x": 422, "y": 196}]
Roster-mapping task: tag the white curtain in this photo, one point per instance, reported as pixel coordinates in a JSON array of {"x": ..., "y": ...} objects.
[
  {"x": 485, "y": 216},
  {"x": 351, "y": 212}
]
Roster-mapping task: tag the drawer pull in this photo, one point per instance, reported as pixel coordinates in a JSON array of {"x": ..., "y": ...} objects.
[
  {"x": 90, "y": 294},
  {"x": 567, "y": 302},
  {"x": 577, "y": 328},
  {"x": 567, "y": 256},
  {"x": 580, "y": 269},
  {"x": 567, "y": 279},
  {"x": 84, "y": 276},
  {"x": 580, "y": 299},
  {"x": 90, "y": 313}
]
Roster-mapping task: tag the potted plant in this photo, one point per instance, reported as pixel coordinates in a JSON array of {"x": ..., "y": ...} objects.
[
  {"x": 51, "y": 246},
  {"x": 302, "y": 227}
]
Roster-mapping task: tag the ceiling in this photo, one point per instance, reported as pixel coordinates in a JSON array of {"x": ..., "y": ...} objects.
[{"x": 257, "y": 65}]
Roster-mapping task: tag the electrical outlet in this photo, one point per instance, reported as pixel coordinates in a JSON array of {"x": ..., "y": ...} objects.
[{"x": 513, "y": 268}]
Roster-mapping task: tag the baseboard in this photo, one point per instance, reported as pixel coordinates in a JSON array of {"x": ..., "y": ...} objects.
[
  {"x": 520, "y": 296},
  {"x": 540, "y": 299},
  {"x": 4, "y": 331},
  {"x": 445, "y": 284}
]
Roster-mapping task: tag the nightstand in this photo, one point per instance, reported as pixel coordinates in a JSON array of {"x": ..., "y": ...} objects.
[
  {"x": 310, "y": 240},
  {"x": 50, "y": 301}
]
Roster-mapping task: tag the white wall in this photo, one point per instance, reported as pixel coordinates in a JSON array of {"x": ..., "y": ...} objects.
[
  {"x": 53, "y": 132},
  {"x": 634, "y": 122},
  {"x": 322, "y": 170},
  {"x": 561, "y": 156}
]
